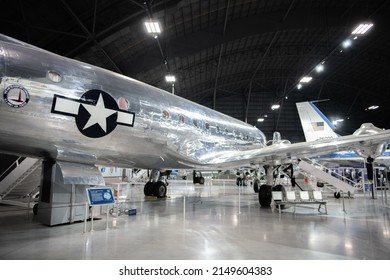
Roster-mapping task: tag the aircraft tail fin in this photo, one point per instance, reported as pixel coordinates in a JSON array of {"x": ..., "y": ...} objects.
[{"x": 314, "y": 123}]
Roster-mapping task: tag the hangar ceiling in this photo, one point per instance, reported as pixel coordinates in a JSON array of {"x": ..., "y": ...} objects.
[{"x": 237, "y": 56}]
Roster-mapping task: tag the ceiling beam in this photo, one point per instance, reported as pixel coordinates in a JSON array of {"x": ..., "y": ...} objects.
[
  {"x": 221, "y": 47},
  {"x": 91, "y": 36}
]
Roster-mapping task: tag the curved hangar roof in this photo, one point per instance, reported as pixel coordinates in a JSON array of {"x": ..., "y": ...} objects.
[{"x": 237, "y": 56}]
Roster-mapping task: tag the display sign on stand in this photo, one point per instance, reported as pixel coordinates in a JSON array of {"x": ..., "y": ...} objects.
[{"x": 98, "y": 197}]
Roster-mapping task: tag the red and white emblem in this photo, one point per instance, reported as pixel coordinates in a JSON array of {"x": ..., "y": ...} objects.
[{"x": 16, "y": 96}]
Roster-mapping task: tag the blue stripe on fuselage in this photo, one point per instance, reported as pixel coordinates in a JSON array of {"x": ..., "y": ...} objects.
[{"x": 348, "y": 154}]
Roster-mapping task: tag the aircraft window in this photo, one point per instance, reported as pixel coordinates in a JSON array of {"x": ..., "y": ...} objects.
[
  {"x": 207, "y": 125},
  {"x": 181, "y": 119},
  {"x": 123, "y": 103},
  {"x": 54, "y": 76},
  {"x": 165, "y": 115},
  {"x": 195, "y": 123},
  {"x": 218, "y": 129}
]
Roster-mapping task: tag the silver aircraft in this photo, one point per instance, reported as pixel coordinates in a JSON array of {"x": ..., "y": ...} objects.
[
  {"x": 316, "y": 126},
  {"x": 78, "y": 115}
]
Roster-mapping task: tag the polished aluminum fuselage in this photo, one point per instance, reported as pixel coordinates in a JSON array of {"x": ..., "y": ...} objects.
[{"x": 168, "y": 131}]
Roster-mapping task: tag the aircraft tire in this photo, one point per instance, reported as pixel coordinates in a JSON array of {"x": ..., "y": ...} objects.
[
  {"x": 265, "y": 195},
  {"x": 35, "y": 209},
  {"x": 201, "y": 180},
  {"x": 238, "y": 181},
  {"x": 160, "y": 189},
  {"x": 148, "y": 191},
  {"x": 337, "y": 195},
  {"x": 256, "y": 186}
]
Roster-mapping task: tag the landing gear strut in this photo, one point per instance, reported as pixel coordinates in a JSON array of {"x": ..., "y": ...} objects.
[{"x": 155, "y": 186}]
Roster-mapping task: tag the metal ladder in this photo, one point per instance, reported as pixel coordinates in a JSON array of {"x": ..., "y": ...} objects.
[
  {"x": 22, "y": 168},
  {"x": 334, "y": 181}
]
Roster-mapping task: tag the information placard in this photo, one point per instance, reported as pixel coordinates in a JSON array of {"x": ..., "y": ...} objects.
[{"x": 100, "y": 196}]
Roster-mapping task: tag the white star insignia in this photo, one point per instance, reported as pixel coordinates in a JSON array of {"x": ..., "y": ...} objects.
[{"x": 99, "y": 114}]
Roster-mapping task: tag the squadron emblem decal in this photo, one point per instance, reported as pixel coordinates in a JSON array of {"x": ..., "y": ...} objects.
[
  {"x": 96, "y": 113},
  {"x": 16, "y": 96}
]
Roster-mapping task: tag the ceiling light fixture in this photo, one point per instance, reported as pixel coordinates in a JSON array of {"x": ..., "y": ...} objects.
[
  {"x": 337, "y": 121},
  {"x": 374, "y": 107},
  {"x": 305, "y": 79},
  {"x": 153, "y": 27},
  {"x": 347, "y": 43},
  {"x": 170, "y": 78},
  {"x": 275, "y": 107},
  {"x": 260, "y": 119},
  {"x": 362, "y": 28},
  {"x": 320, "y": 68}
]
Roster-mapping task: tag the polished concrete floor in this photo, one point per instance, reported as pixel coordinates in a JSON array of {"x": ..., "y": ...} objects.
[{"x": 218, "y": 221}]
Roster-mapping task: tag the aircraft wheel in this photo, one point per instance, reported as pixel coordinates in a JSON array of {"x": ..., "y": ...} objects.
[
  {"x": 265, "y": 195},
  {"x": 201, "y": 180},
  {"x": 160, "y": 189},
  {"x": 238, "y": 181},
  {"x": 337, "y": 194},
  {"x": 256, "y": 186},
  {"x": 148, "y": 191},
  {"x": 35, "y": 209}
]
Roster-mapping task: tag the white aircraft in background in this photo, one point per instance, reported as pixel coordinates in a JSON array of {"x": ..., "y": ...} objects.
[
  {"x": 316, "y": 126},
  {"x": 76, "y": 116}
]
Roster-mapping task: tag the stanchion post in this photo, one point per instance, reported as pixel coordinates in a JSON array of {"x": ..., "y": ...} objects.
[
  {"x": 342, "y": 195},
  {"x": 239, "y": 199},
  {"x": 184, "y": 207},
  {"x": 91, "y": 219},
  {"x": 85, "y": 217},
  {"x": 106, "y": 217},
  {"x": 28, "y": 209}
]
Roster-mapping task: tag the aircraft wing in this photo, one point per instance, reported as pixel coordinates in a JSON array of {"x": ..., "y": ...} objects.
[{"x": 279, "y": 153}]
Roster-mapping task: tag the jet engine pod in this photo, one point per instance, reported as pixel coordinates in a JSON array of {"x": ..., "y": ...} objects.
[
  {"x": 370, "y": 150},
  {"x": 367, "y": 129}
]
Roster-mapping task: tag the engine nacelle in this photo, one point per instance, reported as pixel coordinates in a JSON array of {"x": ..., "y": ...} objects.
[
  {"x": 277, "y": 139},
  {"x": 370, "y": 151}
]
